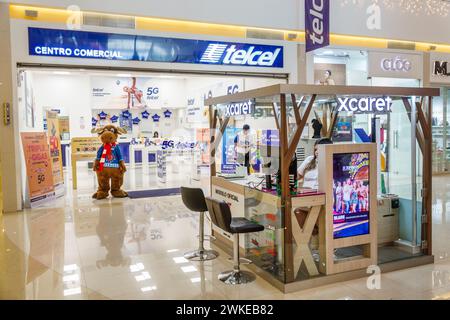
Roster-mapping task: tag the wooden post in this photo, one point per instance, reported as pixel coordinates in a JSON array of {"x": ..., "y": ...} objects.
[{"x": 285, "y": 193}]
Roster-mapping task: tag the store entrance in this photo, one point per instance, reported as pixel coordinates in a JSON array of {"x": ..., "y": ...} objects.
[{"x": 166, "y": 143}]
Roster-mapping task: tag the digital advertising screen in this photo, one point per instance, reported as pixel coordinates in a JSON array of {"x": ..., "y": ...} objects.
[{"x": 351, "y": 176}]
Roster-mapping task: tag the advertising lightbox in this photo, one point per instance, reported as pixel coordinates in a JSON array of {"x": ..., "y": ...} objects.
[{"x": 351, "y": 205}]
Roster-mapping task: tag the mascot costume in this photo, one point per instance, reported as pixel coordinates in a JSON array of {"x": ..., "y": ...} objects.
[{"x": 109, "y": 164}]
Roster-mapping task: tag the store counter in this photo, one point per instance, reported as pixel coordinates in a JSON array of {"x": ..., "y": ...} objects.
[{"x": 266, "y": 249}]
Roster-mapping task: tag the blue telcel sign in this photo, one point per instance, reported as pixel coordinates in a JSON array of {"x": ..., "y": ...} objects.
[{"x": 115, "y": 46}]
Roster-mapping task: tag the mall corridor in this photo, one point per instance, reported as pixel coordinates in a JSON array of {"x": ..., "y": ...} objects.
[{"x": 133, "y": 249}]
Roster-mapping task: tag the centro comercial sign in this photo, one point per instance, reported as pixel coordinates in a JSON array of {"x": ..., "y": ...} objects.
[{"x": 114, "y": 46}]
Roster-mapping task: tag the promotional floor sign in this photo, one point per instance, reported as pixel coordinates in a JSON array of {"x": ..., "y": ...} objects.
[
  {"x": 39, "y": 168},
  {"x": 55, "y": 152}
]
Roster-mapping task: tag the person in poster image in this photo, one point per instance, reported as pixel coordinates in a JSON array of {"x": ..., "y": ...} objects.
[
  {"x": 354, "y": 196},
  {"x": 363, "y": 195},
  {"x": 133, "y": 93},
  {"x": 338, "y": 197},
  {"x": 346, "y": 194},
  {"x": 328, "y": 81}
]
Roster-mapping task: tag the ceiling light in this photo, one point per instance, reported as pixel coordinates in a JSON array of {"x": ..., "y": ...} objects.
[
  {"x": 180, "y": 260},
  {"x": 195, "y": 280},
  {"x": 72, "y": 291},
  {"x": 124, "y": 75},
  {"x": 172, "y": 250},
  {"x": 72, "y": 277},
  {"x": 144, "y": 276},
  {"x": 61, "y": 73},
  {"x": 146, "y": 289},
  {"x": 188, "y": 269},
  {"x": 70, "y": 267},
  {"x": 137, "y": 267}
]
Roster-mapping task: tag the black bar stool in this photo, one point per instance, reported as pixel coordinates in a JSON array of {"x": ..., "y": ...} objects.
[
  {"x": 221, "y": 216},
  {"x": 194, "y": 200}
]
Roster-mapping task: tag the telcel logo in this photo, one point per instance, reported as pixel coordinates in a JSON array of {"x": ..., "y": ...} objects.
[
  {"x": 239, "y": 109},
  {"x": 317, "y": 23},
  {"x": 396, "y": 64},
  {"x": 365, "y": 105},
  {"x": 249, "y": 57}
]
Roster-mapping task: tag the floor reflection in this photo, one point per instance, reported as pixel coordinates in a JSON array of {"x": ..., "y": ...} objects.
[{"x": 133, "y": 249}]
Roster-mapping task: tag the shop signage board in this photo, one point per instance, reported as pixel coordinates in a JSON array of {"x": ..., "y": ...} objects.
[
  {"x": 241, "y": 108},
  {"x": 378, "y": 105},
  {"x": 39, "y": 168},
  {"x": 114, "y": 46},
  {"x": 317, "y": 24},
  {"x": 440, "y": 68},
  {"x": 54, "y": 139},
  {"x": 395, "y": 65}
]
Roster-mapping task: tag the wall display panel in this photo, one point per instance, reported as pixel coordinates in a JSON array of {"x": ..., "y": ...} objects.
[{"x": 351, "y": 207}]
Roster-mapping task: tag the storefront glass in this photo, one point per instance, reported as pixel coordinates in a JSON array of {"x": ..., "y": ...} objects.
[{"x": 441, "y": 132}]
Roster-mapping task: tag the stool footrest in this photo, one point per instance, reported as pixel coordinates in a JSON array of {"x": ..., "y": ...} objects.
[{"x": 236, "y": 277}]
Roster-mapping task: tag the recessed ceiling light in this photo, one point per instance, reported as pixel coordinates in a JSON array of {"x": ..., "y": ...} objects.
[
  {"x": 188, "y": 269},
  {"x": 144, "y": 276},
  {"x": 146, "y": 289},
  {"x": 180, "y": 260},
  {"x": 70, "y": 267},
  {"x": 64, "y": 73},
  {"x": 71, "y": 292},
  {"x": 124, "y": 75}
]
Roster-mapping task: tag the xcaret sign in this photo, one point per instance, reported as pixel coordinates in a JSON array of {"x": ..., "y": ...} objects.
[
  {"x": 317, "y": 24},
  {"x": 239, "y": 108},
  {"x": 376, "y": 105}
]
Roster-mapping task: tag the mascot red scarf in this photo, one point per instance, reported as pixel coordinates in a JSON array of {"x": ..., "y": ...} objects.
[{"x": 107, "y": 154}]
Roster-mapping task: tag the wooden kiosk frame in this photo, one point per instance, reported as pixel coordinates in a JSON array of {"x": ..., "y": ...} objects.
[{"x": 302, "y": 99}]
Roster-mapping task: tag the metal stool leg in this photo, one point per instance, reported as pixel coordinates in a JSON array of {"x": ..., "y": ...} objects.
[
  {"x": 201, "y": 254},
  {"x": 237, "y": 276}
]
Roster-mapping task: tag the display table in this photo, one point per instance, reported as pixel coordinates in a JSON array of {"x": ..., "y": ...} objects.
[
  {"x": 82, "y": 149},
  {"x": 265, "y": 208},
  {"x": 138, "y": 147}
]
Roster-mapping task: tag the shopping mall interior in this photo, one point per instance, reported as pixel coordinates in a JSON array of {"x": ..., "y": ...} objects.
[{"x": 177, "y": 156}]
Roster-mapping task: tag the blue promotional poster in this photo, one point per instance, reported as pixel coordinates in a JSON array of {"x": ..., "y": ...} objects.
[
  {"x": 351, "y": 194},
  {"x": 113, "y": 46},
  {"x": 228, "y": 151}
]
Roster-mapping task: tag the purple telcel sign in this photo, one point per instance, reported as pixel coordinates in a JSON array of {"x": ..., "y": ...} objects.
[{"x": 317, "y": 24}]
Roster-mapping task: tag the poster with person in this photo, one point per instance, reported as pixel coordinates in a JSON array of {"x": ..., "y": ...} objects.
[
  {"x": 351, "y": 194},
  {"x": 39, "y": 168},
  {"x": 55, "y": 151}
]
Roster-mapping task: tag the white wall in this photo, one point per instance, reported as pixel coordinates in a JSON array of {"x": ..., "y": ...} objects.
[
  {"x": 350, "y": 19},
  {"x": 70, "y": 94}
]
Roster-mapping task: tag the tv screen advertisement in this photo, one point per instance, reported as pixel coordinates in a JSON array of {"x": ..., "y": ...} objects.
[{"x": 351, "y": 201}]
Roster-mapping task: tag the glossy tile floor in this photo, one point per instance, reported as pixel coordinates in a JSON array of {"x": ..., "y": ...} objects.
[{"x": 77, "y": 248}]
